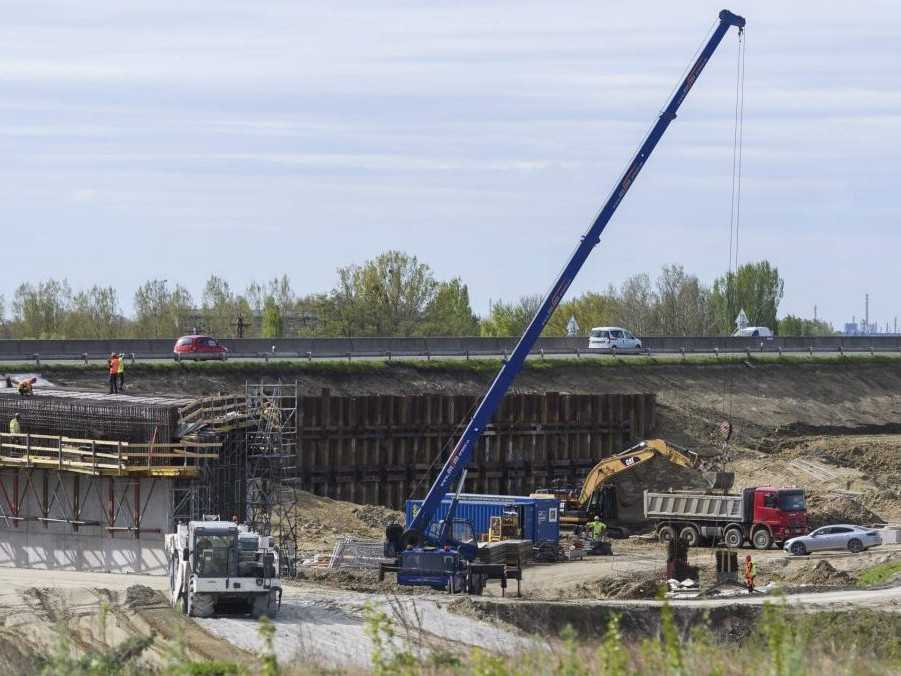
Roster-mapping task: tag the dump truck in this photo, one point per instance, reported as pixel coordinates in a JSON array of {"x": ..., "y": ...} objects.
[
  {"x": 761, "y": 516},
  {"x": 597, "y": 496},
  {"x": 216, "y": 565}
]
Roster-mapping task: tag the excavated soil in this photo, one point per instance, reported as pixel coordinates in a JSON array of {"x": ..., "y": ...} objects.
[
  {"x": 322, "y": 521},
  {"x": 766, "y": 400},
  {"x": 34, "y": 620}
]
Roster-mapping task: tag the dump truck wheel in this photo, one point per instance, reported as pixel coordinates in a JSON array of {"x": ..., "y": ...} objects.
[
  {"x": 761, "y": 539},
  {"x": 666, "y": 534},
  {"x": 690, "y": 536},
  {"x": 733, "y": 538}
]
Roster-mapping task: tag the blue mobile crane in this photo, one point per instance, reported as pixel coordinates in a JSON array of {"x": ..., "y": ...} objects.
[{"x": 442, "y": 554}]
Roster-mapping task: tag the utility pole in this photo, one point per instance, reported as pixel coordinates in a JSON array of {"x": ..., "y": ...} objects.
[{"x": 814, "y": 314}]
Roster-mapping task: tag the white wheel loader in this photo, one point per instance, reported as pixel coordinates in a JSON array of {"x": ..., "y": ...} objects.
[{"x": 217, "y": 564}]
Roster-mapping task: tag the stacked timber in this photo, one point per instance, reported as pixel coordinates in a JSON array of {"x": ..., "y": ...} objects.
[{"x": 511, "y": 552}]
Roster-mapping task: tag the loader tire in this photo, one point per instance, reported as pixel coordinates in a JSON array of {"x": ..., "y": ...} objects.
[
  {"x": 200, "y": 605},
  {"x": 264, "y": 605}
]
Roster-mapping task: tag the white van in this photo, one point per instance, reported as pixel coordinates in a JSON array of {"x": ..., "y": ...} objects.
[
  {"x": 753, "y": 332},
  {"x": 613, "y": 339}
]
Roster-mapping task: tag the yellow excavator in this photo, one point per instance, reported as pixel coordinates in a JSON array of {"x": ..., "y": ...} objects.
[{"x": 579, "y": 505}]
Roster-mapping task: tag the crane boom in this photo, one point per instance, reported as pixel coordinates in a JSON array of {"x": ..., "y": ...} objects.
[{"x": 455, "y": 465}]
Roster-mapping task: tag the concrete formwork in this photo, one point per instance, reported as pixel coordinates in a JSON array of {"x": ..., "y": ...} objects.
[{"x": 67, "y": 521}]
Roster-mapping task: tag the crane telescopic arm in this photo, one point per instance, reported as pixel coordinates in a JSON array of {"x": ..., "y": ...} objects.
[{"x": 462, "y": 453}]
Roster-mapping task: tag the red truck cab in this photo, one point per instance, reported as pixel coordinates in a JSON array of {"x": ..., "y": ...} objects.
[{"x": 782, "y": 511}]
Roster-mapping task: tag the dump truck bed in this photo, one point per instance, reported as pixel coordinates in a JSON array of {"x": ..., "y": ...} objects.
[{"x": 693, "y": 506}]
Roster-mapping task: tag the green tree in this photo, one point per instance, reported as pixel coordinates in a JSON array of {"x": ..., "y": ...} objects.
[
  {"x": 638, "y": 305},
  {"x": 590, "y": 309},
  {"x": 40, "y": 311},
  {"x": 449, "y": 312},
  {"x": 683, "y": 304},
  {"x": 756, "y": 288},
  {"x": 94, "y": 314},
  {"x": 220, "y": 307},
  {"x": 510, "y": 319},
  {"x": 790, "y": 325},
  {"x": 272, "y": 323},
  {"x": 159, "y": 312},
  {"x": 386, "y": 296}
]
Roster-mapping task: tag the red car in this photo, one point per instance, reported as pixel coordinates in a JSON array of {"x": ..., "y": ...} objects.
[{"x": 199, "y": 347}]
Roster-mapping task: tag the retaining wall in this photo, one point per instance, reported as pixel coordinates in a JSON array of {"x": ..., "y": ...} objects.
[{"x": 384, "y": 449}]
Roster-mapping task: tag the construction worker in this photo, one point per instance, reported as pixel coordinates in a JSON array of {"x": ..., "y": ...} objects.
[
  {"x": 750, "y": 573},
  {"x": 597, "y": 528},
  {"x": 14, "y": 426},
  {"x": 25, "y": 386},
  {"x": 113, "y": 363},
  {"x": 121, "y": 371}
]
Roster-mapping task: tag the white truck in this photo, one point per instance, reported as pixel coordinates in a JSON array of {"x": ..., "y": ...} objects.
[{"x": 215, "y": 563}]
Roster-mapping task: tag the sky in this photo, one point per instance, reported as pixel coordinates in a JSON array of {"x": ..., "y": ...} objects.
[{"x": 173, "y": 140}]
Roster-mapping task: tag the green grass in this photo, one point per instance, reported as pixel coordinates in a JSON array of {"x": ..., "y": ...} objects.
[{"x": 878, "y": 574}]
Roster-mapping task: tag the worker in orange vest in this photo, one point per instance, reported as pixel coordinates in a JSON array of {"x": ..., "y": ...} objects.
[
  {"x": 750, "y": 573},
  {"x": 113, "y": 363}
]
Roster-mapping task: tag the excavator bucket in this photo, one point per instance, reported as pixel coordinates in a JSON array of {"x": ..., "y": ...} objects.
[{"x": 720, "y": 480}]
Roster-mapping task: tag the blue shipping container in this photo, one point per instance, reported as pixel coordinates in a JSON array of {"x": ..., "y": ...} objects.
[{"x": 538, "y": 517}]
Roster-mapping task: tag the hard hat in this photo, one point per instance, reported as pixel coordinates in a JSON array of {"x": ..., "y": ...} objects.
[
  {"x": 596, "y": 517},
  {"x": 18, "y": 415}
]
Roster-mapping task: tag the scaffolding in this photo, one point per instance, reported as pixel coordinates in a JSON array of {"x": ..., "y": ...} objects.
[{"x": 270, "y": 452}]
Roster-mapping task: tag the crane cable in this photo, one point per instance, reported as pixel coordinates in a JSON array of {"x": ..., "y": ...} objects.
[{"x": 734, "y": 221}]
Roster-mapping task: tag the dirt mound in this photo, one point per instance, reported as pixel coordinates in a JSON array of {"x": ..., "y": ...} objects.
[
  {"x": 823, "y": 510},
  {"x": 321, "y": 521},
  {"x": 141, "y": 596},
  {"x": 376, "y": 516},
  {"x": 821, "y": 575},
  {"x": 636, "y": 586}
]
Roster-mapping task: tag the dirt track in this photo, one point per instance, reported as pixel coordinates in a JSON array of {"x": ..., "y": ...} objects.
[
  {"x": 98, "y": 610},
  {"x": 328, "y": 626}
]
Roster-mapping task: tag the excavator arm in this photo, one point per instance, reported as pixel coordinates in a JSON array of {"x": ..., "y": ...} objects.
[{"x": 621, "y": 462}]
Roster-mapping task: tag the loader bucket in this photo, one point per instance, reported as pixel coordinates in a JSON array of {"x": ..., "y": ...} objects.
[{"x": 720, "y": 480}]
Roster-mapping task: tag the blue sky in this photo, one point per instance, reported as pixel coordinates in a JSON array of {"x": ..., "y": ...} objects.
[{"x": 174, "y": 140}]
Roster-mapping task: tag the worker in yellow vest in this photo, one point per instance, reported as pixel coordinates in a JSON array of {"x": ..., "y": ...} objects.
[
  {"x": 121, "y": 372},
  {"x": 14, "y": 426},
  {"x": 597, "y": 528}
]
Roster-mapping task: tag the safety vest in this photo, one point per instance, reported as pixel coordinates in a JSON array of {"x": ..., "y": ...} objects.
[
  {"x": 597, "y": 528},
  {"x": 113, "y": 366},
  {"x": 14, "y": 427},
  {"x": 750, "y": 569},
  {"x": 121, "y": 365}
]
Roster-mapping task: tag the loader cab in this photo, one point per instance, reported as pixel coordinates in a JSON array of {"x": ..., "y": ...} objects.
[{"x": 215, "y": 551}]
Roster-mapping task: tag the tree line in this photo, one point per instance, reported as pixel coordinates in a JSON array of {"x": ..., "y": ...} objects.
[{"x": 395, "y": 294}]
